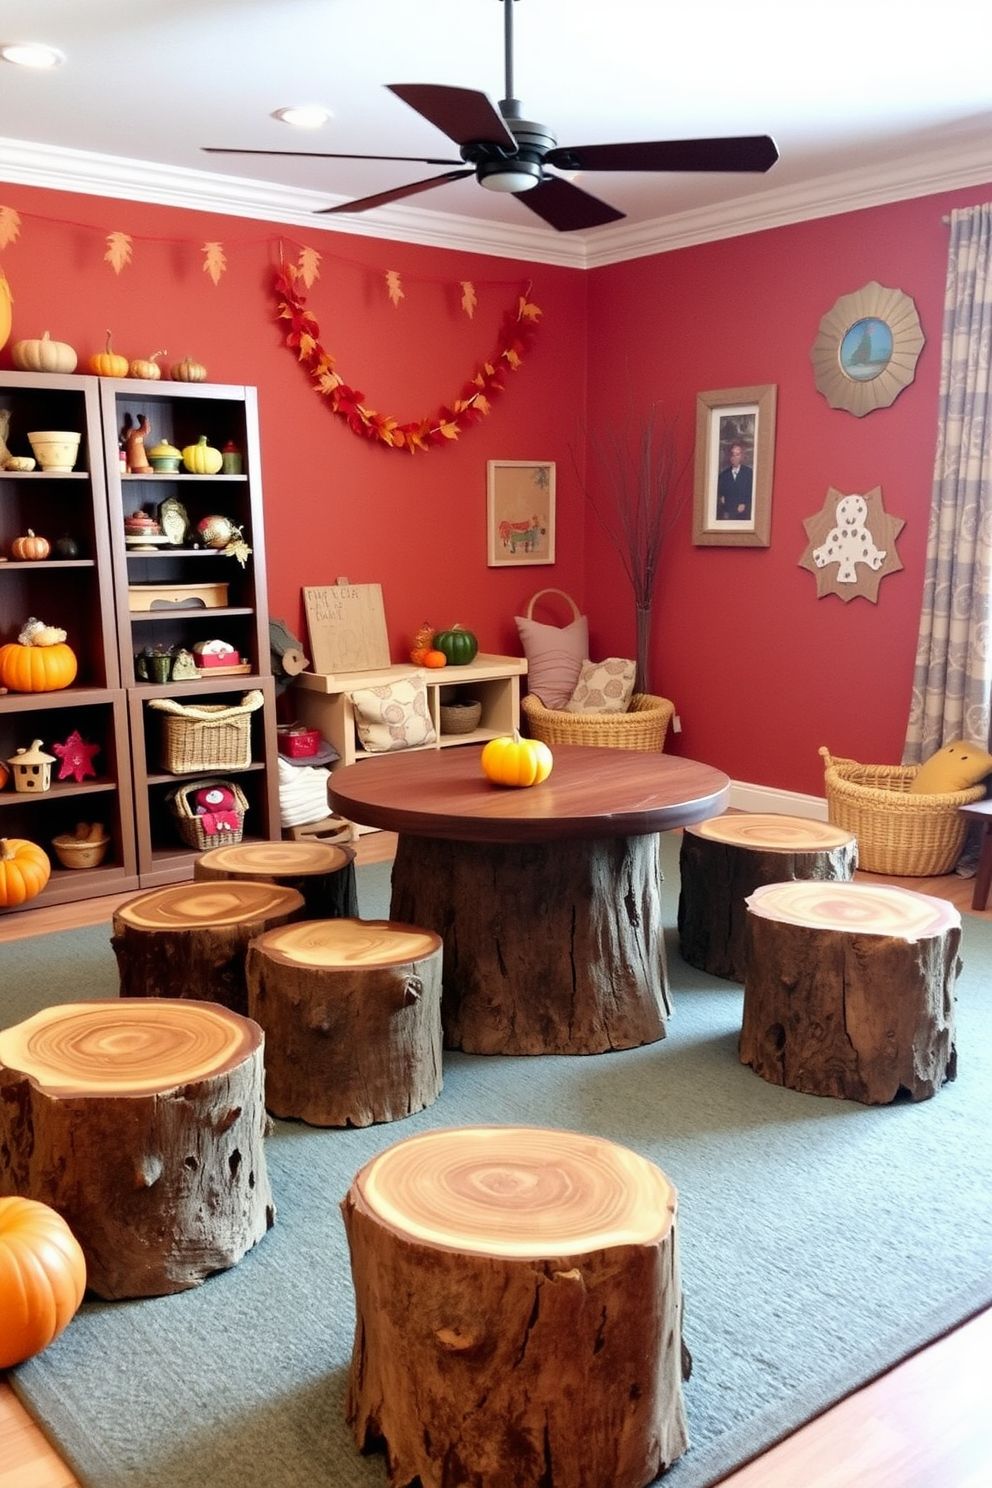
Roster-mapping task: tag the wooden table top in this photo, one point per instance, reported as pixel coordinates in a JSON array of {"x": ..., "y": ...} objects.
[{"x": 591, "y": 792}]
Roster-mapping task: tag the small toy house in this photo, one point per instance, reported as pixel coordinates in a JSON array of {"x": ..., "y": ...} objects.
[{"x": 32, "y": 768}]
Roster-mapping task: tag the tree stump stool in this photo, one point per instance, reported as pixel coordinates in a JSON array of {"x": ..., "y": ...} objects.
[
  {"x": 850, "y": 990},
  {"x": 352, "y": 1016},
  {"x": 519, "y": 1311},
  {"x": 724, "y": 860},
  {"x": 142, "y": 1124},
  {"x": 323, "y": 872},
  {"x": 190, "y": 940}
]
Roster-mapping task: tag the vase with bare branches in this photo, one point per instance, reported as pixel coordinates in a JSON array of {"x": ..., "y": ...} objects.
[{"x": 637, "y": 484}]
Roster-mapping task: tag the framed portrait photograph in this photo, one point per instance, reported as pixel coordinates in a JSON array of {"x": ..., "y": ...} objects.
[
  {"x": 735, "y": 453},
  {"x": 520, "y": 512}
]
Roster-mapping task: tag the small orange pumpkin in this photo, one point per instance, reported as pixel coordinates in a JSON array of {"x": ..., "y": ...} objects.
[
  {"x": 25, "y": 869},
  {"x": 511, "y": 760},
  {"x": 30, "y": 547},
  {"x": 434, "y": 658},
  {"x": 109, "y": 363},
  {"x": 42, "y": 1278},
  {"x": 37, "y": 668},
  {"x": 147, "y": 368}
]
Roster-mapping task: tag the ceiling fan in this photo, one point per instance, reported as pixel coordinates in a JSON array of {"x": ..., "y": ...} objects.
[{"x": 508, "y": 153}]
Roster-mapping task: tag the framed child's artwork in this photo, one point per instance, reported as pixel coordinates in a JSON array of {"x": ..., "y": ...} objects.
[
  {"x": 521, "y": 512},
  {"x": 735, "y": 452}
]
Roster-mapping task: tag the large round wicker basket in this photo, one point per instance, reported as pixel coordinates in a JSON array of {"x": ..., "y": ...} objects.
[
  {"x": 643, "y": 726},
  {"x": 899, "y": 832}
]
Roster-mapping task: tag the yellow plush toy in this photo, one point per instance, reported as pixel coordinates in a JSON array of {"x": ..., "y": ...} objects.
[{"x": 953, "y": 768}]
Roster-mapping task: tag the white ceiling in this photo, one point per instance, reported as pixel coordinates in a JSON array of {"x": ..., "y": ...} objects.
[{"x": 867, "y": 100}]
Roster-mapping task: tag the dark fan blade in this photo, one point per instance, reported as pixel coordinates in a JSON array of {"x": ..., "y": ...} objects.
[
  {"x": 749, "y": 152},
  {"x": 398, "y": 193},
  {"x": 567, "y": 207},
  {"x": 321, "y": 155},
  {"x": 462, "y": 114}
]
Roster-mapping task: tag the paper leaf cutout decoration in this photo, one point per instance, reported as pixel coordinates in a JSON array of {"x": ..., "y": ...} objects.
[
  {"x": 393, "y": 286},
  {"x": 214, "y": 262},
  {"x": 10, "y": 226},
  {"x": 118, "y": 253},
  {"x": 76, "y": 756},
  {"x": 309, "y": 266},
  {"x": 469, "y": 300},
  {"x": 852, "y": 545}
]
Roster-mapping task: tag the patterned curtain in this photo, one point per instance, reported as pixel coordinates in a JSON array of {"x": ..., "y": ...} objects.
[{"x": 952, "y": 684}]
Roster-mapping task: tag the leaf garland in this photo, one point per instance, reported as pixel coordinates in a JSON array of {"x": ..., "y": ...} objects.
[{"x": 516, "y": 333}]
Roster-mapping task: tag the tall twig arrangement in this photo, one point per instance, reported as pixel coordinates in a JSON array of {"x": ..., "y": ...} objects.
[{"x": 637, "y": 486}]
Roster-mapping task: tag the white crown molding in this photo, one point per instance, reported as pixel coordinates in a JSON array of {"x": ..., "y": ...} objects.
[{"x": 119, "y": 177}]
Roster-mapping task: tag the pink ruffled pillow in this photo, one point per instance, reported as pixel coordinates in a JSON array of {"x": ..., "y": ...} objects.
[{"x": 554, "y": 657}]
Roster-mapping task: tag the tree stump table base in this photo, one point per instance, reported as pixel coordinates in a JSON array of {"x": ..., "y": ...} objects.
[
  {"x": 142, "y": 1124},
  {"x": 352, "y": 1016},
  {"x": 190, "y": 940},
  {"x": 519, "y": 1311},
  {"x": 850, "y": 990},
  {"x": 723, "y": 860},
  {"x": 323, "y": 872}
]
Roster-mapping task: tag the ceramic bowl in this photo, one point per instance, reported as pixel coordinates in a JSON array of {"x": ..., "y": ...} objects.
[{"x": 55, "y": 449}]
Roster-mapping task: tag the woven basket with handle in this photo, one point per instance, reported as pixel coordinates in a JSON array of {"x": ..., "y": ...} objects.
[
  {"x": 643, "y": 726},
  {"x": 899, "y": 832},
  {"x": 206, "y": 736}
]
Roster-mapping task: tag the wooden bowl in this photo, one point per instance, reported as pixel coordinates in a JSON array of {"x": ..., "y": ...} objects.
[{"x": 73, "y": 853}]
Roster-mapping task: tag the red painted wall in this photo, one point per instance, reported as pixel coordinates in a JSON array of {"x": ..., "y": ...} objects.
[
  {"x": 335, "y": 504},
  {"x": 761, "y": 671}
]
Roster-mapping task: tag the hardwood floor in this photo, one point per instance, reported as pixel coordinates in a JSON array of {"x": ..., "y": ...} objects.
[{"x": 924, "y": 1424}]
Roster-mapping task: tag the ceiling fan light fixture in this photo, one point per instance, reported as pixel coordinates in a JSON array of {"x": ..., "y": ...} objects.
[
  {"x": 303, "y": 116},
  {"x": 509, "y": 176},
  {"x": 36, "y": 54}
]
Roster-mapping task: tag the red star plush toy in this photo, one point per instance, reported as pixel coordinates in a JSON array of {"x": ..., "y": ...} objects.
[
  {"x": 76, "y": 757},
  {"x": 215, "y": 805}
]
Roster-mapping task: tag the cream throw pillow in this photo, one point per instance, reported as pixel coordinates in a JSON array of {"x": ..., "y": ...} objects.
[
  {"x": 394, "y": 716},
  {"x": 555, "y": 654},
  {"x": 603, "y": 687}
]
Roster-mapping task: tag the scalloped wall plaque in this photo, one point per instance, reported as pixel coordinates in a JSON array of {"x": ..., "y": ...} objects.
[
  {"x": 852, "y": 545},
  {"x": 867, "y": 349}
]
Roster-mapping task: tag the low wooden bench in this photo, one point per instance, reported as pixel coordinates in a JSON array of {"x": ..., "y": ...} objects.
[
  {"x": 519, "y": 1305},
  {"x": 723, "y": 860},
  {"x": 850, "y": 990},
  {"x": 352, "y": 1016},
  {"x": 142, "y": 1124}
]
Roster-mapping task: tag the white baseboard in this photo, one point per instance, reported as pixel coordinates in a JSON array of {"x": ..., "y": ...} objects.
[{"x": 745, "y": 797}]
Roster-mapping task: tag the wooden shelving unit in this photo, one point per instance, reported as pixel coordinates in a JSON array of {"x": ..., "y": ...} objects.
[{"x": 89, "y": 596}]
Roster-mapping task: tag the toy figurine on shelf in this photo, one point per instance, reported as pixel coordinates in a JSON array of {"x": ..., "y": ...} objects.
[
  {"x": 76, "y": 756},
  {"x": 134, "y": 436}
]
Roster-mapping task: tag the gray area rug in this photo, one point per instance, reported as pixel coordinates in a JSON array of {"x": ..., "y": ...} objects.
[{"x": 821, "y": 1241}]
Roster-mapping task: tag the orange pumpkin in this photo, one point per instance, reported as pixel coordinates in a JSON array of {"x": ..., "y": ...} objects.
[
  {"x": 25, "y": 869},
  {"x": 37, "y": 668},
  {"x": 108, "y": 363},
  {"x": 42, "y": 1278},
  {"x": 30, "y": 547},
  {"x": 435, "y": 659}
]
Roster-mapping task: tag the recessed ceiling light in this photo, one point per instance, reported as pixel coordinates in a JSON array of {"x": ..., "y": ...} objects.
[
  {"x": 31, "y": 54},
  {"x": 306, "y": 117}
]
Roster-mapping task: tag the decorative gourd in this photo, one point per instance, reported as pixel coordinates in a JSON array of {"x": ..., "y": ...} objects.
[
  {"x": 6, "y": 301},
  {"x": 30, "y": 547},
  {"x": 434, "y": 659},
  {"x": 44, "y": 355},
  {"x": 188, "y": 371},
  {"x": 149, "y": 370},
  {"x": 108, "y": 363},
  {"x": 458, "y": 644},
  {"x": 511, "y": 760},
  {"x": 201, "y": 458},
  {"x": 42, "y": 1278},
  {"x": 423, "y": 641},
  {"x": 38, "y": 661},
  {"x": 24, "y": 871}
]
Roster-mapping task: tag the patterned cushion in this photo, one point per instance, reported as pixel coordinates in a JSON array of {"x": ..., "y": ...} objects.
[
  {"x": 603, "y": 687},
  {"x": 953, "y": 768},
  {"x": 394, "y": 716},
  {"x": 554, "y": 657}
]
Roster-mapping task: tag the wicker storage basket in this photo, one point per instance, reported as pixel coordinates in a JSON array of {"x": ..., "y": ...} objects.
[
  {"x": 190, "y": 826},
  {"x": 207, "y": 736},
  {"x": 459, "y": 718},
  {"x": 643, "y": 726},
  {"x": 899, "y": 833}
]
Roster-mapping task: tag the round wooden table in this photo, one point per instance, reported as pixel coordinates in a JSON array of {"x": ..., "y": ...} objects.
[{"x": 547, "y": 899}]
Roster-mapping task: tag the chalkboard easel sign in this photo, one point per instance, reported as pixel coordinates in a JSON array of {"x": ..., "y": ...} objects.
[{"x": 347, "y": 627}]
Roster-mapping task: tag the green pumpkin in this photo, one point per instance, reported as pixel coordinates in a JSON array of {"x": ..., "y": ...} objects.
[{"x": 458, "y": 645}]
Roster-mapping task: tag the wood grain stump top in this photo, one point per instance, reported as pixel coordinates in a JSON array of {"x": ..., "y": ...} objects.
[
  {"x": 518, "y": 1298},
  {"x": 323, "y": 872},
  {"x": 142, "y": 1123},
  {"x": 723, "y": 860},
  {"x": 850, "y": 990}
]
